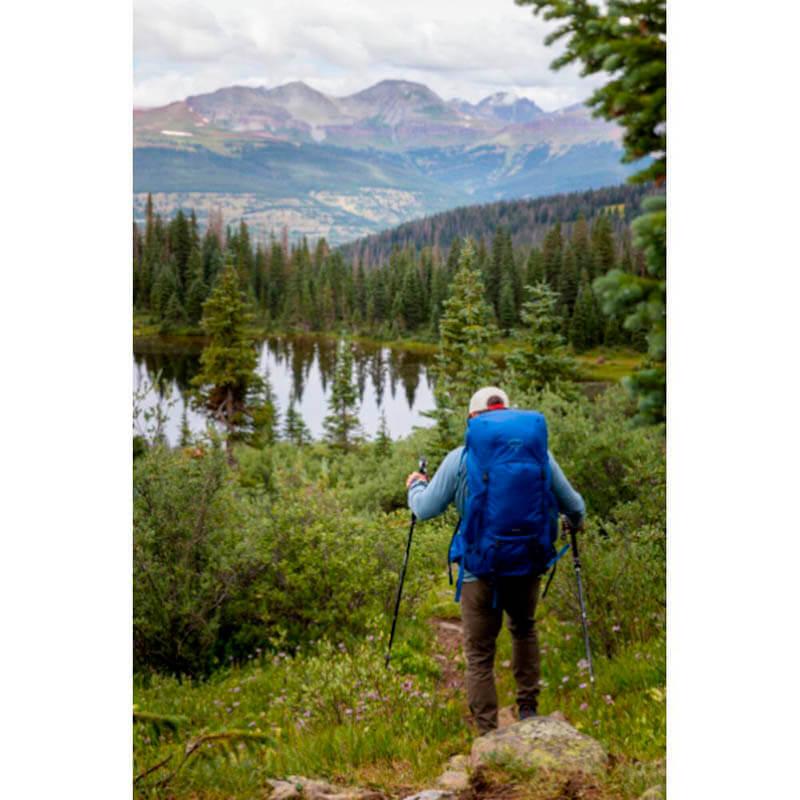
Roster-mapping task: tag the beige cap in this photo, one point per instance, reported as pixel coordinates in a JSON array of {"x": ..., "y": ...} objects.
[{"x": 480, "y": 400}]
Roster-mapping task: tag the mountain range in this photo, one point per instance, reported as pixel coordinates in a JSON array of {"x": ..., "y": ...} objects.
[{"x": 344, "y": 167}]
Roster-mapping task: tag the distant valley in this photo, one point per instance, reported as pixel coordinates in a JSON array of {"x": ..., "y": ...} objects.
[{"x": 347, "y": 167}]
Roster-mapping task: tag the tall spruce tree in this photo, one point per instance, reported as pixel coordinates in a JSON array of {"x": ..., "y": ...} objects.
[
  {"x": 198, "y": 291},
  {"x": 227, "y": 384},
  {"x": 540, "y": 359},
  {"x": 507, "y": 314},
  {"x": 552, "y": 248},
  {"x": 462, "y": 363},
  {"x": 603, "y": 256}
]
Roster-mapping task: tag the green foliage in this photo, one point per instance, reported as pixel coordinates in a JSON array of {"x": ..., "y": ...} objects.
[
  {"x": 540, "y": 360},
  {"x": 311, "y": 564},
  {"x": 342, "y": 427},
  {"x": 191, "y": 558},
  {"x": 462, "y": 364},
  {"x": 227, "y": 384},
  {"x": 642, "y": 301},
  {"x": 295, "y": 429},
  {"x": 628, "y": 40},
  {"x": 383, "y": 439}
]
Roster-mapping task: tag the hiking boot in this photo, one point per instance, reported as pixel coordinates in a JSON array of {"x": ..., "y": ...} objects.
[{"x": 527, "y": 712}]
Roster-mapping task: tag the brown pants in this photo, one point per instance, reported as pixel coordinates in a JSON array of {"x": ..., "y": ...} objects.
[{"x": 482, "y": 623}]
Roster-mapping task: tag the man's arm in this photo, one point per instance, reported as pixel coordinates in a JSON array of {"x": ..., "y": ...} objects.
[
  {"x": 569, "y": 501},
  {"x": 428, "y": 500}
]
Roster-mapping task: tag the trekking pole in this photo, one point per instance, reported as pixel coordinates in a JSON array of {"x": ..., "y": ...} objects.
[
  {"x": 584, "y": 621},
  {"x": 423, "y": 467}
]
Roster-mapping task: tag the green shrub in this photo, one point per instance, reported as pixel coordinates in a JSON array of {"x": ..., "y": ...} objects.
[{"x": 190, "y": 557}]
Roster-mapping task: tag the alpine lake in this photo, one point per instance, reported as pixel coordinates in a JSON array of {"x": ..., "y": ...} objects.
[{"x": 394, "y": 381}]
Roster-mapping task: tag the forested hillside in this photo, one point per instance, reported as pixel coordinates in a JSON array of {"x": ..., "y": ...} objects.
[
  {"x": 526, "y": 220},
  {"x": 396, "y": 285}
]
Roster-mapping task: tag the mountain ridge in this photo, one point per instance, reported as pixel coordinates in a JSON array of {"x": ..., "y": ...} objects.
[{"x": 344, "y": 167}]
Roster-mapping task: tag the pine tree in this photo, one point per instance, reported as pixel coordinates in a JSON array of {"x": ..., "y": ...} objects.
[
  {"x": 244, "y": 257},
  {"x": 361, "y": 294},
  {"x": 462, "y": 364},
  {"x": 540, "y": 359},
  {"x": 603, "y": 256},
  {"x": 180, "y": 245},
  {"x": 412, "y": 300},
  {"x": 383, "y": 441},
  {"x": 582, "y": 328},
  {"x": 506, "y": 316},
  {"x": 342, "y": 428},
  {"x": 275, "y": 280},
  {"x": 227, "y": 384},
  {"x": 582, "y": 249},
  {"x": 439, "y": 288},
  {"x": 568, "y": 283},
  {"x": 174, "y": 313},
  {"x": 494, "y": 271},
  {"x": 552, "y": 254},
  {"x": 534, "y": 270},
  {"x": 198, "y": 291},
  {"x": 454, "y": 257},
  {"x": 295, "y": 429}
]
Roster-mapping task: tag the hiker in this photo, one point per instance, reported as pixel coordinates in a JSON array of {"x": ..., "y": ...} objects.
[{"x": 527, "y": 494}]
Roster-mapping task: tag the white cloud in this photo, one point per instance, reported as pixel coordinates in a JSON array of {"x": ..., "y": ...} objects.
[{"x": 464, "y": 48}]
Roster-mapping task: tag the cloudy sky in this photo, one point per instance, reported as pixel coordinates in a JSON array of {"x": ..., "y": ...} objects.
[{"x": 459, "y": 48}]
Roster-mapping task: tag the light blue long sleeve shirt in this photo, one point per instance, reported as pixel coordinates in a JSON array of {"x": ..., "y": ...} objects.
[{"x": 449, "y": 485}]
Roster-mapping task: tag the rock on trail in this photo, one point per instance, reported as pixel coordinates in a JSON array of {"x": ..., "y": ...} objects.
[{"x": 544, "y": 742}]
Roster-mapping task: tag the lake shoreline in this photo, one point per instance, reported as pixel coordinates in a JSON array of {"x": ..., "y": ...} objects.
[{"x": 597, "y": 365}]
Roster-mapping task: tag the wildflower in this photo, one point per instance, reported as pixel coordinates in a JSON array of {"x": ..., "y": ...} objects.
[
  {"x": 307, "y": 713},
  {"x": 236, "y": 689},
  {"x": 581, "y": 685},
  {"x": 609, "y": 699},
  {"x": 583, "y": 665},
  {"x": 236, "y": 704},
  {"x": 370, "y": 638},
  {"x": 348, "y": 711},
  {"x": 251, "y": 724},
  {"x": 567, "y": 637},
  {"x": 565, "y": 679},
  {"x": 584, "y": 706},
  {"x": 616, "y": 628}
]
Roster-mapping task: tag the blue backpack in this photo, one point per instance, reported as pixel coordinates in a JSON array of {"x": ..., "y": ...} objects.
[{"x": 510, "y": 521}]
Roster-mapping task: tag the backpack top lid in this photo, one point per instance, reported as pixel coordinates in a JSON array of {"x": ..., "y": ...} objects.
[{"x": 507, "y": 434}]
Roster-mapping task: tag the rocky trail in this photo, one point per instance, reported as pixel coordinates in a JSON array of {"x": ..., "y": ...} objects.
[{"x": 544, "y": 758}]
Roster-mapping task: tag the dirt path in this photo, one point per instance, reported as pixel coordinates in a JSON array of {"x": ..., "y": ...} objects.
[{"x": 449, "y": 642}]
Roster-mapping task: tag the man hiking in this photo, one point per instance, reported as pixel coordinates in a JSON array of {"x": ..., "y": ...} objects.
[{"x": 509, "y": 490}]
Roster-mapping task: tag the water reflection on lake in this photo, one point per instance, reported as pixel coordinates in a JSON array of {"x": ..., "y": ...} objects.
[{"x": 392, "y": 380}]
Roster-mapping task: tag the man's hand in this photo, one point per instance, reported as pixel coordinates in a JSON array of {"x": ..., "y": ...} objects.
[
  {"x": 415, "y": 476},
  {"x": 568, "y": 526}
]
